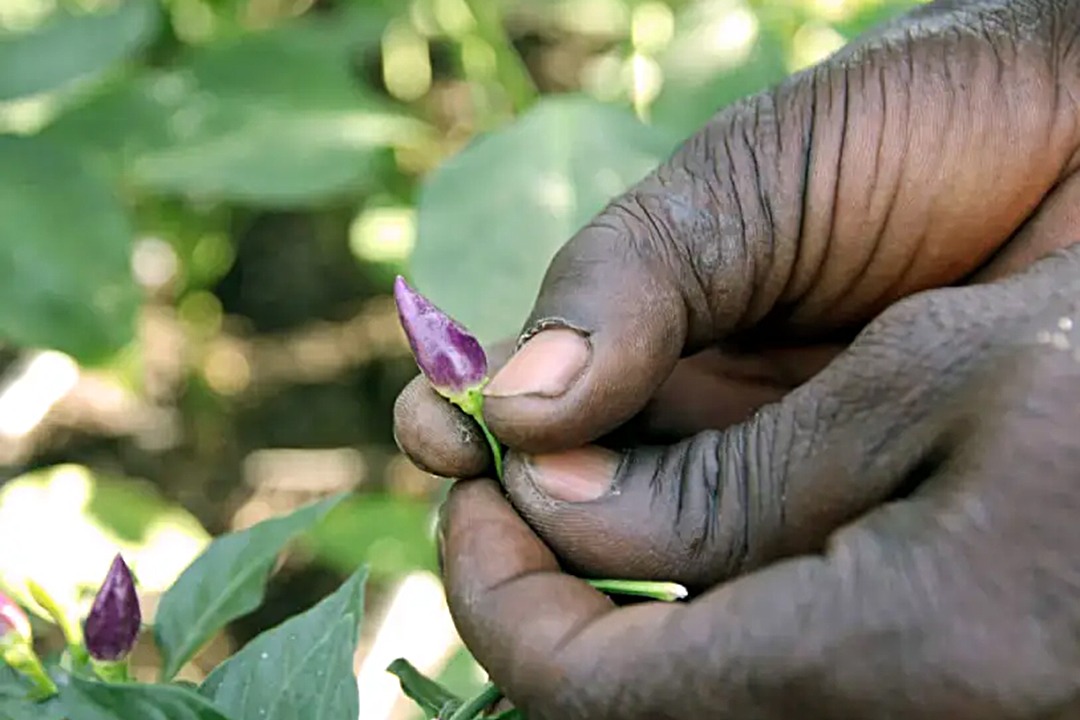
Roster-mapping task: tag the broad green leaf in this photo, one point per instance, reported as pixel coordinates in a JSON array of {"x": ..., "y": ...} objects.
[
  {"x": 21, "y": 709},
  {"x": 70, "y": 46},
  {"x": 302, "y": 668},
  {"x": 226, "y": 582},
  {"x": 272, "y": 117},
  {"x": 491, "y": 217},
  {"x": 90, "y": 700},
  {"x": 65, "y": 244},
  {"x": 12, "y": 684},
  {"x": 310, "y": 59}
]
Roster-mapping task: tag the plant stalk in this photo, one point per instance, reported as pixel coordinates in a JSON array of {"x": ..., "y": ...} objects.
[
  {"x": 510, "y": 68},
  {"x": 476, "y": 704},
  {"x": 496, "y": 449}
]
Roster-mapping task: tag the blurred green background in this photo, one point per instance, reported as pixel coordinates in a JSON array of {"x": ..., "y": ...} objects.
[{"x": 203, "y": 204}]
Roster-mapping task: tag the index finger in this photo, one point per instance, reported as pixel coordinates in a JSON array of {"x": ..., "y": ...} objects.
[
  {"x": 560, "y": 649},
  {"x": 511, "y": 603}
]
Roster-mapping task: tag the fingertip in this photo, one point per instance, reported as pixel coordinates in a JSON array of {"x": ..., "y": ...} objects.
[
  {"x": 566, "y": 387},
  {"x": 436, "y": 436},
  {"x": 509, "y": 599},
  {"x": 485, "y": 540}
]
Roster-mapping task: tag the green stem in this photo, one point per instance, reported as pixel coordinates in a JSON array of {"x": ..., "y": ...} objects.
[
  {"x": 496, "y": 449},
  {"x": 425, "y": 692},
  {"x": 70, "y": 628},
  {"x": 476, "y": 704},
  {"x": 511, "y": 70},
  {"x": 45, "y": 687},
  {"x": 115, "y": 672},
  {"x": 472, "y": 403},
  {"x": 666, "y": 591},
  {"x": 22, "y": 658}
]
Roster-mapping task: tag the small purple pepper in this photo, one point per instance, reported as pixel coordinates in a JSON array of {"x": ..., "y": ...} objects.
[
  {"x": 449, "y": 355},
  {"x": 113, "y": 623},
  {"x": 14, "y": 625}
]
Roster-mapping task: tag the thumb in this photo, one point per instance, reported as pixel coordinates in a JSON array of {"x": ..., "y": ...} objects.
[
  {"x": 865, "y": 429},
  {"x": 605, "y": 332},
  {"x": 806, "y": 210}
]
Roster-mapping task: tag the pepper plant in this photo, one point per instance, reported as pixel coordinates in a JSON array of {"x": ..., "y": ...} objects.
[{"x": 303, "y": 668}]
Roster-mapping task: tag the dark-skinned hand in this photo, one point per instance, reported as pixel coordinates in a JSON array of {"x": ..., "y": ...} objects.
[{"x": 821, "y": 367}]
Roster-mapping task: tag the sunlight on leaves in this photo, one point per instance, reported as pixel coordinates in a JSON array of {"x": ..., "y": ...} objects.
[
  {"x": 220, "y": 126},
  {"x": 62, "y": 527}
]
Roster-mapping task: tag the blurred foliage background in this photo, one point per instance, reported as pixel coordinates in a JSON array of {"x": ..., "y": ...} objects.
[{"x": 203, "y": 204}]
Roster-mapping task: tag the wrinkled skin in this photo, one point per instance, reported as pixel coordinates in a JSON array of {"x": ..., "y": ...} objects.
[{"x": 823, "y": 370}]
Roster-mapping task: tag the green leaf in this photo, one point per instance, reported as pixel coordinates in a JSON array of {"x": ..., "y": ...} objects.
[
  {"x": 91, "y": 700},
  {"x": 226, "y": 582},
  {"x": 70, "y": 46},
  {"x": 303, "y": 668},
  {"x": 491, "y": 217},
  {"x": 429, "y": 695},
  {"x": 65, "y": 243},
  {"x": 12, "y": 685},
  {"x": 273, "y": 117},
  {"x": 23, "y": 709}
]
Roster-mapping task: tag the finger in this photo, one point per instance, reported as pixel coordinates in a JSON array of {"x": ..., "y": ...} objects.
[
  {"x": 436, "y": 435},
  {"x": 809, "y": 208},
  {"x": 1051, "y": 228},
  {"x": 721, "y": 504},
  {"x": 558, "y": 649},
  {"x": 491, "y": 562},
  {"x": 717, "y": 388},
  {"x": 713, "y": 389},
  {"x": 891, "y": 620}
]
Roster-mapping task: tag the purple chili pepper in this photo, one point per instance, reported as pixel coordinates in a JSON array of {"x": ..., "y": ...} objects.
[
  {"x": 113, "y": 623},
  {"x": 450, "y": 356}
]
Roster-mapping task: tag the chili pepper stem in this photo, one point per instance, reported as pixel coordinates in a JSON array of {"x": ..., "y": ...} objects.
[
  {"x": 472, "y": 403},
  {"x": 115, "y": 672},
  {"x": 496, "y": 451},
  {"x": 476, "y": 704}
]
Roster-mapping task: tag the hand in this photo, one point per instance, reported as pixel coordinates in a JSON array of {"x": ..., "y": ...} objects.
[
  {"x": 961, "y": 601},
  {"x": 940, "y": 151}
]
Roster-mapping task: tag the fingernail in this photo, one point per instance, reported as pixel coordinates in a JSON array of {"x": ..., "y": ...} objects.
[
  {"x": 575, "y": 476},
  {"x": 547, "y": 365}
]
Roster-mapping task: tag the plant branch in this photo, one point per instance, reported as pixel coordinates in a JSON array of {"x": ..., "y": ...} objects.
[
  {"x": 510, "y": 68},
  {"x": 476, "y": 704}
]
